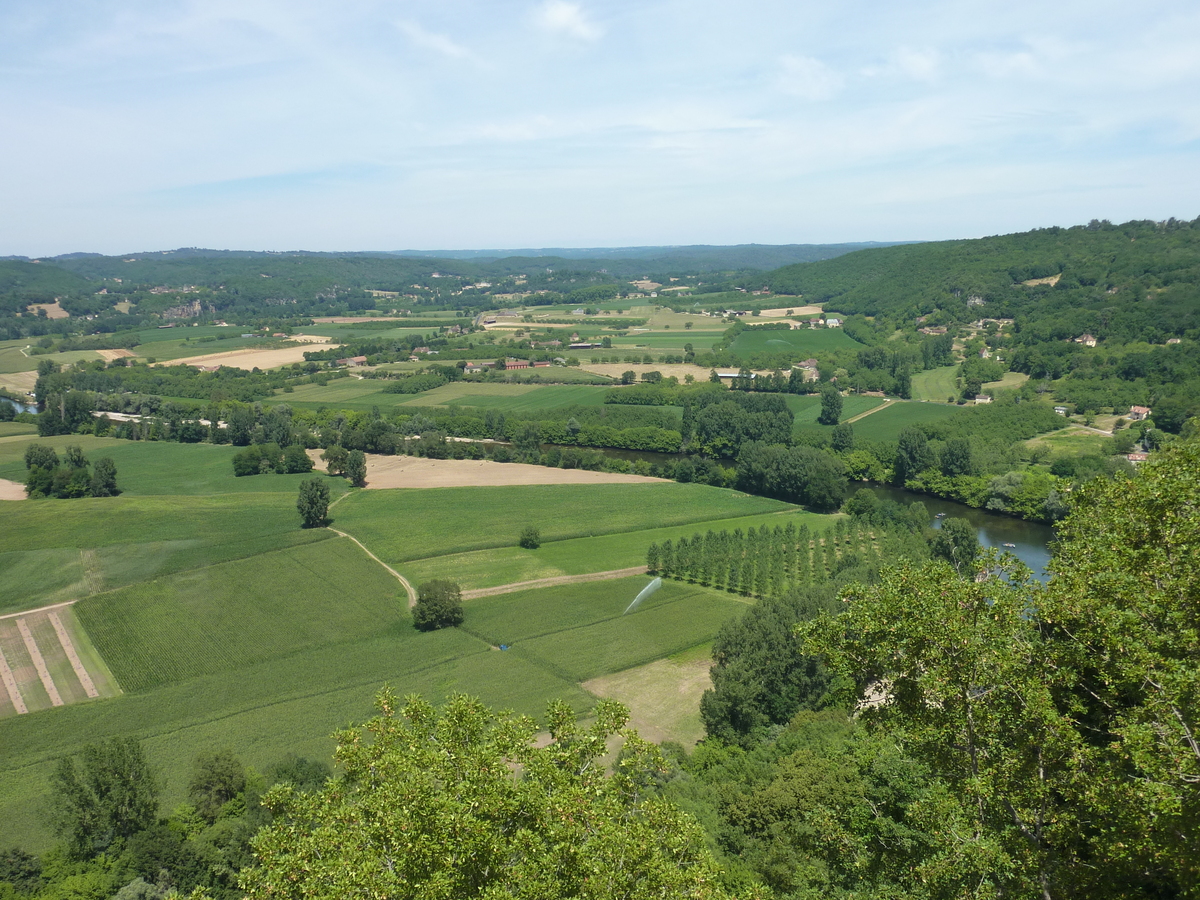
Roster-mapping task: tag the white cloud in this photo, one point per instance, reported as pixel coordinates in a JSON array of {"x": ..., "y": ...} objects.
[
  {"x": 568, "y": 19},
  {"x": 439, "y": 43},
  {"x": 919, "y": 65},
  {"x": 809, "y": 78}
]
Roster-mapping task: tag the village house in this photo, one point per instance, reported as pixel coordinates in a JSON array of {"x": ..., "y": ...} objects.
[
  {"x": 833, "y": 323},
  {"x": 1087, "y": 340},
  {"x": 1137, "y": 456},
  {"x": 1138, "y": 413}
]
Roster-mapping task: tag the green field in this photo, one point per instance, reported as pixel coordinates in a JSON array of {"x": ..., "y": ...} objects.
[
  {"x": 516, "y": 398},
  {"x": 227, "y": 625},
  {"x": 807, "y": 407},
  {"x": 935, "y": 384},
  {"x": 801, "y": 340},
  {"x": 403, "y": 525},
  {"x": 574, "y": 556},
  {"x": 887, "y": 424}
]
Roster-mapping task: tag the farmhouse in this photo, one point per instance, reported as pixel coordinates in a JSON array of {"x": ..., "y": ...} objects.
[
  {"x": 516, "y": 364},
  {"x": 833, "y": 323},
  {"x": 1138, "y": 413},
  {"x": 352, "y": 361},
  {"x": 1088, "y": 340}
]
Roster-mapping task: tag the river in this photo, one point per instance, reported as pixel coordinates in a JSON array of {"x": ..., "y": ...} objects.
[
  {"x": 1031, "y": 539},
  {"x": 18, "y": 406}
]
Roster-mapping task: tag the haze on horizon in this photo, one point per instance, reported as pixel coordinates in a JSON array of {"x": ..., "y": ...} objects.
[{"x": 269, "y": 125}]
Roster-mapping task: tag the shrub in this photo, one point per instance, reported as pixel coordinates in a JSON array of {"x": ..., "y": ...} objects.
[{"x": 531, "y": 538}]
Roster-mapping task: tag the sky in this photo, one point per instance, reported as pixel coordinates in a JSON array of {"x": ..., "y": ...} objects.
[{"x": 360, "y": 125}]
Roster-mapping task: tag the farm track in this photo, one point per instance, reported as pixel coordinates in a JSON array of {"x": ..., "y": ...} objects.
[
  {"x": 884, "y": 405},
  {"x": 408, "y": 588},
  {"x": 551, "y": 582}
]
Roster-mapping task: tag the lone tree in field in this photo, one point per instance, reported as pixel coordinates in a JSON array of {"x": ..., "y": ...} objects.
[
  {"x": 531, "y": 538},
  {"x": 313, "y": 502},
  {"x": 356, "y": 468},
  {"x": 439, "y": 605},
  {"x": 831, "y": 405}
]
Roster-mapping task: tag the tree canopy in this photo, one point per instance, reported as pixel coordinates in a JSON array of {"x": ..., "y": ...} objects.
[{"x": 460, "y": 803}]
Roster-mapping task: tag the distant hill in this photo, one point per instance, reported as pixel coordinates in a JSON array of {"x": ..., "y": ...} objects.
[{"x": 1094, "y": 266}]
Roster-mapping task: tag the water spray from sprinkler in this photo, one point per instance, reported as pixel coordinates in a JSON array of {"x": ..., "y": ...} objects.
[{"x": 645, "y": 592}]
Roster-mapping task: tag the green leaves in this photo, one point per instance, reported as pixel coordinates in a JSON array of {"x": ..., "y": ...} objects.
[{"x": 460, "y": 803}]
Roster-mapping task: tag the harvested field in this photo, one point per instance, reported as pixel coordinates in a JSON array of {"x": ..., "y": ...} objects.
[
  {"x": 53, "y": 310},
  {"x": 46, "y": 661},
  {"x": 11, "y": 490},
  {"x": 251, "y": 358},
  {"x": 615, "y": 370},
  {"x": 385, "y": 472},
  {"x": 110, "y": 355},
  {"x": 354, "y": 320},
  {"x": 19, "y": 382},
  {"x": 784, "y": 311},
  {"x": 663, "y": 697}
]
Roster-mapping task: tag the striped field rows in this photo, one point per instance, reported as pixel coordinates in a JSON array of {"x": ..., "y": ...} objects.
[{"x": 46, "y": 660}]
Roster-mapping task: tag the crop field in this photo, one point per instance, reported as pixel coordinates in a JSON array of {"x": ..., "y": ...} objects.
[
  {"x": 225, "y": 624},
  {"x": 400, "y": 526},
  {"x": 578, "y": 631},
  {"x": 807, "y": 407},
  {"x": 147, "y": 468},
  {"x": 1010, "y": 381},
  {"x": 13, "y": 360},
  {"x": 1074, "y": 440},
  {"x": 575, "y": 556},
  {"x": 177, "y": 348},
  {"x": 935, "y": 384},
  {"x": 516, "y": 398},
  {"x": 672, "y": 341},
  {"x": 801, "y": 340},
  {"x": 887, "y": 424},
  {"x": 47, "y": 660},
  {"x": 199, "y": 622}
]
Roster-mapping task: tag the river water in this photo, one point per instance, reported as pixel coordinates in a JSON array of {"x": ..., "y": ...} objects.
[
  {"x": 1031, "y": 539},
  {"x": 20, "y": 407}
]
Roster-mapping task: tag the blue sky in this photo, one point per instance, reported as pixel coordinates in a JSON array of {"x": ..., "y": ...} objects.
[{"x": 366, "y": 125}]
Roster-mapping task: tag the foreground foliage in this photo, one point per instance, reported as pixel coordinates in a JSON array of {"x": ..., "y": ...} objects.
[
  {"x": 460, "y": 804},
  {"x": 1064, "y": 718}
]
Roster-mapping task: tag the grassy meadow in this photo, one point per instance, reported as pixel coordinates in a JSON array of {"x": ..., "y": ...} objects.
[
  {"x": 801, "y": 340},
  {"x": 935, "y": 384},
  {"x": 222, "y": 623}
]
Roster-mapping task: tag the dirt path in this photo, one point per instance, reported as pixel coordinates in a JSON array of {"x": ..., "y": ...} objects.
[
  {"x": 30, "y": 612},
  {"x": 10, "y": 684},
  {"x": 412, "y": 594},
  {"x": 551, "y": 582},
  {"x": 35, "y": 654},
  {"x": 884, "y": 405},
  {"x": 68, "y": 646}
]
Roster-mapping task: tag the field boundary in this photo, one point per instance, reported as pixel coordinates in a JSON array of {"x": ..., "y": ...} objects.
[
  {"x": 408, "y": 588},
  {"x": 552, "y": 581},
  {"x": 30, "y": 612}
]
